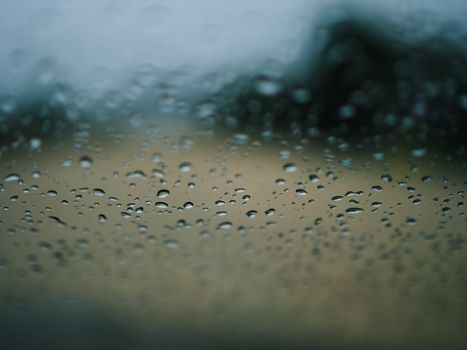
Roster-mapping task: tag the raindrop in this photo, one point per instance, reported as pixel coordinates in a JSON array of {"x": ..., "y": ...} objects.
[
  {"x": 225, "y": 225},
  {"x": 57, "y": 221},
  {"x": 378, "y": 156},
  {"x": 185, "y": 167},
  {"x": 35, "y": 144},
  {"x": 99, "y": 192},
  {"x": 386, "y": 177},
  {"x": 251, "y": 213},
  {"x": 85, "y": 162},
  {"x": 280, "y": 182},
  {"x": 7, "y": 104},
  {"x": 354, "y": 210},
  {"x": 410, "y": 221},
  {"x": 188, "y": 205},
  {"x": 162, "y": 205},
  {"x": 313, "y": 178},
  {"x": 163, "y": 193},
  {"x": 136, "y": 174},
  {"x": 240, "y": 139},
  {"x": 418, "y": 152},
  {"x": 289, "y": 167},
  {"x": 267, "y": 87},
  {"x": 426, "y": 179},
  {"x": 172, "y": 243},
  {"x": 12, "y": 177}
]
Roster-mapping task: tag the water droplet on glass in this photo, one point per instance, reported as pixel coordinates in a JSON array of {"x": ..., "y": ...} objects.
[
  {"x": 418, "y": 152},
  {"x": 188, "y": 205},
  {"x": 376, "y": 188},
  {"x": 313, "y": 178},
  {"x": 57, "y": 221},
  {"x": 354, "y": 210},
  {"x": 225, "y": 225},
  {"x": 267, "y": 87},
  {"x": 251, "y": 213},
  {"x": 410, "y": 221},
  {"x": 185, "y": 167},
  {"x": 426, "y": 179},
  {"x": 136, "y": 174},
  {"x": 12, "y": 177},
  {"x": 289, "y": 167},
  {"x": 163, "y": 193},
  {"x": 99, "y": 192},
  {"x": 85, "y": 162},
  {"x": 280, "y": 182},
  {"x": 171, "y": 243}
]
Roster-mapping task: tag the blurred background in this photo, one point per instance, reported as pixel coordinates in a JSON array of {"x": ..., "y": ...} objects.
[{"x": 258, "y": 174}]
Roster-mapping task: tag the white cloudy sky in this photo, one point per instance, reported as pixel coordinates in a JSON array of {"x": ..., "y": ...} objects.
[{"x": 102, "y": 39}]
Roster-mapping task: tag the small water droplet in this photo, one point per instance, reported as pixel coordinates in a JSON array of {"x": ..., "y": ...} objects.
[
  {"x": 136, "y": 174},
  {"x": 85, "y": 162},
  {"x": 386, "y": 177},
  {"x": 410, "y": 221},
  {"x": 172, "y": 243},
  {"x": 251, "y": 213},
  {"x": 290, "y": 167},
  {"x": 99, "y": 192},
  {"x": 225, "y": 225},
  {"x": 418, "y": 152},
  {"x": 162, "y": 205},
  {"x": 313, "y": 178},
  {"x": 57, "y": 221},
  {"x": 426, "y": 179},
  {"x": 188, "y": 205},
  {"x": 280, "y": 182},
  {"x": 185, "y": 167},
  {"x": 354, "y": 210}
]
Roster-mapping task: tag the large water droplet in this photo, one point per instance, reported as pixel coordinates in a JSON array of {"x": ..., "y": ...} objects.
[{"x": 163, "y": 193}]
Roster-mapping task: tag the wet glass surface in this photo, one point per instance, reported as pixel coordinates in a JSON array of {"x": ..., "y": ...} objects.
[{"x": 305, "y": 192}]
